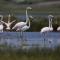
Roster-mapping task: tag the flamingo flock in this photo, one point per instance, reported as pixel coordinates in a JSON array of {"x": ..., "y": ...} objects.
[{"x": 23, "y": 26}]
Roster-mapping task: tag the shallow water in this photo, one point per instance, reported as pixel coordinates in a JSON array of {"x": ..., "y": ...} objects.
[{"x": 50, "y": 39}]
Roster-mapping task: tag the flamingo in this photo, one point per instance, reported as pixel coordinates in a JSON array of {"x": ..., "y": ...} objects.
[
  {"x": 49, "y": 28},
  {"x": 22, "y": 26},
  {"x": 1, "y": 25},
  {"x": 19, "y": 25},
  {"x": 8, "y": 24},
  {"x": 44, "y": 30},
  {"x": 26, "y": 27}
]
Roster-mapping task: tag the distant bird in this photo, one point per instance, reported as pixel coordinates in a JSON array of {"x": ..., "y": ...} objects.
[
  {"x": 44, "y": 30},
  {"x": 19, "y": 25},
  {"x": 8, "y": 24},
  {"x": 1, "y": 24},
  {"x": 49, "y": 28}
]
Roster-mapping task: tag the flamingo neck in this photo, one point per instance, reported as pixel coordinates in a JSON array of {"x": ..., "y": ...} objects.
[
  {"x": 50, "y": 22},
  {"x": 29, "y": 23},
  {"x": 27, "y": 18}
]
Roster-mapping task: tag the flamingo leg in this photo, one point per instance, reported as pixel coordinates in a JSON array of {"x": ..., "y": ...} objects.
[
  {"x": 44, "y": 36},
  {"x": 22, "y": 40}
]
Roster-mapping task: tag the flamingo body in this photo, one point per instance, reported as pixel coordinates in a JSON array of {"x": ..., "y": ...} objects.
[
  {"x": 25, "y": 28},
  {"x": 19, "y": 25},
  {"x": 58, "y": 29},
  {"x": 1, "y": 28},
  {"x": 46, "y": 29}
]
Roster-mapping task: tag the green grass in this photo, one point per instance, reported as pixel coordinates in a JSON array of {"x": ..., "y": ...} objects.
[{"x": 31, "y": 54}]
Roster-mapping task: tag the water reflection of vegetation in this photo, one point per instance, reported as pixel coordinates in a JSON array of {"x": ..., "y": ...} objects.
[{"x": 34, "y": 53}]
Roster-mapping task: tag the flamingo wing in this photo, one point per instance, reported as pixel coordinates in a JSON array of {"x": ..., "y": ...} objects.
[
  {"x": 4, "y": 22},
  {"x": 12, "y": 22},
  {"x": 19, "y": 25}
]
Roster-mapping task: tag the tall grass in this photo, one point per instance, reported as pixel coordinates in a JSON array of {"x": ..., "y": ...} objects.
[{"x": 34, "y": 53}]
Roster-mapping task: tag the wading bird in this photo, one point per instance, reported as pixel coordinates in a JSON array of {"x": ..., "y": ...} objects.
[
  {"x": 19, "y": 25},
  {"x": 44, "y": 30},
  {"x": 49, "y": 28},
  {"x": 22, "y": 26},
  {"x": 8, "y": 24}
]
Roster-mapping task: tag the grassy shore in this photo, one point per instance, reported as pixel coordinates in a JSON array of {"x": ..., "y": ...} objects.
[{"x": 31, "y": 54}]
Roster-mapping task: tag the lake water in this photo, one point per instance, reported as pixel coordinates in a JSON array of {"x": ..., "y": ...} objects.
[{"x": 51, "y": 39}]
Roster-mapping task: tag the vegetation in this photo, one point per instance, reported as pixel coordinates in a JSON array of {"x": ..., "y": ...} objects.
[
  {"x": 30, "y": 54},
  {"x": 36, "y": 23},
  {"x": 9, "y": 6},
  {"x": 41, "y": 22}
]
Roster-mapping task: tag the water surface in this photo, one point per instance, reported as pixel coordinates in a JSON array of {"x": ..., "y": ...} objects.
[{"x": 51, "y": 39}]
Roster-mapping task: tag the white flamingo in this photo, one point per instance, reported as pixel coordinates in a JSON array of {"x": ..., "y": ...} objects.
[
  {"x": 44, "y": 30},
  {"x": 49, "y": 28},
  {"x": 8, "y": 24},
  {"x": 1, "y": 24},
  {"x": 26, "y": 27},
  {"x": 22, "y": 26},
  {"x": 19, "y": 25}
]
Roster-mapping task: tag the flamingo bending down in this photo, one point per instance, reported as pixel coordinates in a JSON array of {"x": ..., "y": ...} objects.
[
  {"x": 19, "y": 25},
  {"x": 8, "y": 24}
]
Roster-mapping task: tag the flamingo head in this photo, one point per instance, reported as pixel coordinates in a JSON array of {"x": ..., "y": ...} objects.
[
  {"x": 29, "y": 8},
  {"x": 50, "y": 16}
]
